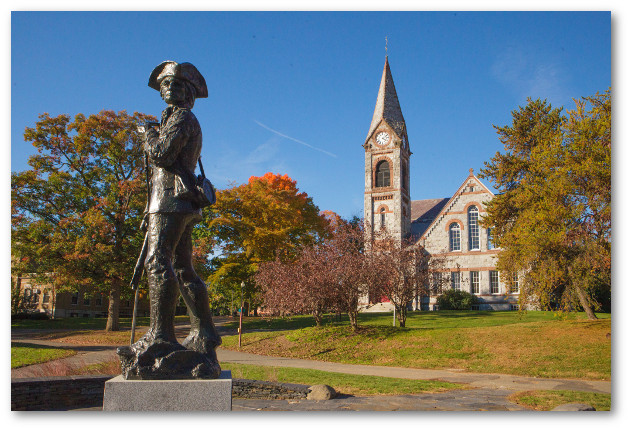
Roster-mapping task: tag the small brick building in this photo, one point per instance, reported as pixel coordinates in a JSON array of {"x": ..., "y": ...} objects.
[{"x": 42, "y": 297}]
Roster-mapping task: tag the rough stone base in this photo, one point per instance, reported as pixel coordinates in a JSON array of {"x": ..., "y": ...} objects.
[
  {"x": 572, "y": 407},
  {"x": 169, "y": 395}
]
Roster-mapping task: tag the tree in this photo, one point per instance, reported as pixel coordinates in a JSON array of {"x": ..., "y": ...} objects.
[
  {"x": 76, "y": 212},
  {"x": 552, "y": 216},
  {"x": 299, "y": 286},
  {"x": 354, "y": 272},
  {"x": 263, "y": 220},
  {"x": 330, "y": 274},
  {"x": 405, "y": 271}
]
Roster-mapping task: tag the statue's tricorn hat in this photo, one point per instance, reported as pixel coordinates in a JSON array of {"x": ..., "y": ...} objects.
[{"x": 184, "y": 71}]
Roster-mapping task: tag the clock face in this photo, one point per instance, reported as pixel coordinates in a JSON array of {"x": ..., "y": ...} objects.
[{"x": 382, "y": 138}]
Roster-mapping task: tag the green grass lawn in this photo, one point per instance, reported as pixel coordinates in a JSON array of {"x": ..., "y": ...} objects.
[
  {"x": 341, "y": 382},
  {"x": 427, "y": 320},
  {"x": 81, "y": 323},
  {"x": 24, "y": 354},
  {"x": 538, "y": 344},
  {"x": 547, "y": 400},
  {"x": 542, "y": 344}
]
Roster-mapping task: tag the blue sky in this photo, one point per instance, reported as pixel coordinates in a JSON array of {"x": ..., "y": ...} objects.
[{"x": 294, "y": 92}]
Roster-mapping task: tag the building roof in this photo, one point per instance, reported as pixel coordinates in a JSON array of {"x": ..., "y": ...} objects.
[
  {"x": 422, "y": 224},
  {"x": 423, "y": 212},
  {"x": 387, "y": 107}
]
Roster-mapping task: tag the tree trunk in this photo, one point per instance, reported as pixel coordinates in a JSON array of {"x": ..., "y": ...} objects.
[
  {"x": 585, "y": 304},
  {"x": 353, "y": 320},
  {"x": 113, "y": 308},
  {"x": 318, "y": 318},
  {"x": 15, "y": 303},
  {"x": 402, "y": 315}
]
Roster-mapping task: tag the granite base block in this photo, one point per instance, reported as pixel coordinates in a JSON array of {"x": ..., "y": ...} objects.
[{"x": 169, "y": 395}]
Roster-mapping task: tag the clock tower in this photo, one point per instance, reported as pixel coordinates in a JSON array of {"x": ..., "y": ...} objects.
[{"x": 387, "y": 205}]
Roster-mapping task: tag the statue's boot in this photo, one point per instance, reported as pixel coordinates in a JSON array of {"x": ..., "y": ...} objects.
[{"x": 203, "y": 336}]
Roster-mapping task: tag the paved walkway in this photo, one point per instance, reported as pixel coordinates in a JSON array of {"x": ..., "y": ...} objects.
[
  {"x": 476, "y": 380},
  {"x": 488, "y": 391},
  {"x": 458, "y": 400}
]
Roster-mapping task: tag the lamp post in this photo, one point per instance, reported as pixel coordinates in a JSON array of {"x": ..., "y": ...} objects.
[{"x": 240, "y": 320}]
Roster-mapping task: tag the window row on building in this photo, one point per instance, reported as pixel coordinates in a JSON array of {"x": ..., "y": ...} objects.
[
  {"x": 456, "y": 281},
  {"x": 474, "y": 232}
]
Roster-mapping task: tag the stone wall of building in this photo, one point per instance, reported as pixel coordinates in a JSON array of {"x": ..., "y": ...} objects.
[{"x": 481, "y": 259}]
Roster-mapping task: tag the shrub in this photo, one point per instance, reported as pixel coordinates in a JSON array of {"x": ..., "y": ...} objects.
[
  {"x": 30, "y": 316},
  {"x": 456, "y": 300}
]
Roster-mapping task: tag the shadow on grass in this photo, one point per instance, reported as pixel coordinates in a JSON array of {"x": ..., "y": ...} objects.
[{"x": 83, "y": 348}]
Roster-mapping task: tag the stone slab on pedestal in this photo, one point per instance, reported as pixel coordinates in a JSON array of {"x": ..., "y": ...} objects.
[{"x": 169, "y": 395}]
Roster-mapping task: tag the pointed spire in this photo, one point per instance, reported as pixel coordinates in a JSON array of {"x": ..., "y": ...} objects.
[{"x": 387, "y": 106}]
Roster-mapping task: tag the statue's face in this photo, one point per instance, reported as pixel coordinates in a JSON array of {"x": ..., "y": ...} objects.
[{"x": 173, "y": 90}]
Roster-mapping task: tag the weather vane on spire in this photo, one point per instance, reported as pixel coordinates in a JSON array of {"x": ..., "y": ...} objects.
[{"x": 386, "y": 46}]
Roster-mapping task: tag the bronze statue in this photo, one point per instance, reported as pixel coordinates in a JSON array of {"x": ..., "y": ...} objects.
[{"x": 174, "y": 207}]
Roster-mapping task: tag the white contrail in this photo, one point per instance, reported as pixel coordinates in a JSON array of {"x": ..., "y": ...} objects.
[{"x": 294, "y": 139}]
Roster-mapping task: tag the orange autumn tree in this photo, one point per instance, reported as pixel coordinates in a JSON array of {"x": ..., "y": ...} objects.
[
  {"x": 76, "y": 211},
  {"x": 264, "y": 219}
]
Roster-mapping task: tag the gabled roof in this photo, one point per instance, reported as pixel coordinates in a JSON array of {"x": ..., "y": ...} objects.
[
  {"x": 387, "y": 107},
  {"x": 423, "y": 212},
  {"x": 428, "y": 212}
]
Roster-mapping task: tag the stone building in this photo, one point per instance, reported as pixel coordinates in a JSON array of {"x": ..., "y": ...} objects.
[
  {"x": 42, "y": 297},
  {"x": 447, "y": 228}
]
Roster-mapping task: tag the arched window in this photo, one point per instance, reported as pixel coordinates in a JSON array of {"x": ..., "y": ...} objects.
[
  {"x": 454, "y": 237},
  {"x": 382, "y": 174},
  {"x": 473, "y": 228}
]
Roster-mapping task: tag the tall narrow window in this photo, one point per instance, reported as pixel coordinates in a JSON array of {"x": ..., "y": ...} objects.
[
  {"x": 490, "y": 239},
  {"x": 382, "y": 213},
  {"x": 437, "y": 281},
  {"x": 382, "y": 174},
  {"x": 494, "y": 282},
  {"x": 473, "y": 228},
  {"x": 403, "y": 180},
  {"x": 474, "y": 282},
  {"x": 454, "y": 236},
  {"x": 75, "y": 299},
  {"x": 455, "y": 281},
  {"x": 514, "y": 288}
]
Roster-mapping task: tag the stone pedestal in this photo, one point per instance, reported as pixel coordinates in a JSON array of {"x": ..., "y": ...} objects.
[{"x": 169, "y": 395}]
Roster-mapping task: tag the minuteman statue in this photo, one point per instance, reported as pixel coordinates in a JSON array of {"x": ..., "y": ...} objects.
[{"x": 173, "y": 151}]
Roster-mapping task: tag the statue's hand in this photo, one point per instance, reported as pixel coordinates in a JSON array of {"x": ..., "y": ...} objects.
[{"x": 148, "y": 126}]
